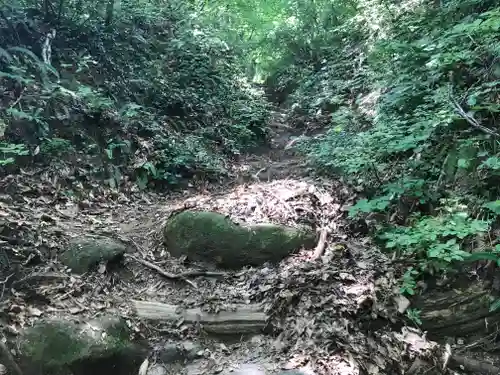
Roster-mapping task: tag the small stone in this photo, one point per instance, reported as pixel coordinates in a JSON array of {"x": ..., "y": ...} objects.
[
  {"x": 33, "y": 311},
  {"x": 249, "y": 369},
  {"x": 6, "y": 198},
  {"x": 16, "y": 309},
  {"x": 157, "y": 370},
  {"x": 299, "y": 371},
  {"x": 177, "y": 352},
  {"x": 256, "y": 340},
  {"x": 191, "y": 350},
  {"x": 86, "y": 252},
  {"x": 169, "y": 353}
]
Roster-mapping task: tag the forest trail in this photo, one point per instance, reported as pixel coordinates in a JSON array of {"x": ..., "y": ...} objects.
[
  {"x": 118, "y": 120},
  {"x": 279, "y": 159},
  {"x": 320, "y": 304}
]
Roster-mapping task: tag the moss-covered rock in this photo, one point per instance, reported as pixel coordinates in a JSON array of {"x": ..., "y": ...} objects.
[
  {"x": 211, "y": 237},
  {"x": 85, "y": 252},
  {"x": 102, "y": 345}
]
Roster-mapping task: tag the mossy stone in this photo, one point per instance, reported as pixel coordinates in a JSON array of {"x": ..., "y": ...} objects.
[
  {"x": 56, "y": 347},
  {"x": 85, "y": 252},
  {"x": 212, "y": 237}
]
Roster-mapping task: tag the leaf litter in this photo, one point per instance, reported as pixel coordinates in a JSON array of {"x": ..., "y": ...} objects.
[{"x": 334, "y": 310}]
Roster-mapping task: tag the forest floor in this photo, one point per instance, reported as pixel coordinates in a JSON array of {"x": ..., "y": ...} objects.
[{"x": 329, "y": 306}]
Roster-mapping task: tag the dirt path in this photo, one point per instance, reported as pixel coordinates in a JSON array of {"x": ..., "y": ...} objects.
[
  {"x": 271, "y": 185},
  {"x": 279, "y": 160},
  {"x": 314, "y": 300}
]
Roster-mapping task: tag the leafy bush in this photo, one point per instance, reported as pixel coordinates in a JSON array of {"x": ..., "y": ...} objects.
[
  {"x": 142, "y": 74},
  {"x": 409, "y": 94}
]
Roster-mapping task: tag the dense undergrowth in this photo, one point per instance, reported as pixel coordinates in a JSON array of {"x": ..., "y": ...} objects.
[
  {"x": 408, "y": 93},
  {"x": 135, "y": 89}
]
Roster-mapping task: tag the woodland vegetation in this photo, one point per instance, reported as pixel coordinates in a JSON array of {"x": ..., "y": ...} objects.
[{"x": 150, "y": 94}]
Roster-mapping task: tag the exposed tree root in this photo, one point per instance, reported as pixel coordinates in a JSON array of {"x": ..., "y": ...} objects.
[
  {"x": 320, "y": 247},
  {"x": 172, "y": 276}
]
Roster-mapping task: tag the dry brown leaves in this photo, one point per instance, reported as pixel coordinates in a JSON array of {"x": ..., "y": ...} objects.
[{"x": 335, "y": 312}]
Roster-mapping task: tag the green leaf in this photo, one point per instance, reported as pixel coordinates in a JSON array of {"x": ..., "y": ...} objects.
[
  {"x": 493, "y": 206},
  {"x": 463, "y": 163},
  {"x": 109, "y": 153},
  {"x": 495, "y": 305}
]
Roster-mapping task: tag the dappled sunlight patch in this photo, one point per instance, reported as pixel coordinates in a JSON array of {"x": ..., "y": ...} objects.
[
  {"x": 285, "y": 201},
  {"x": 368, "y": 102}
]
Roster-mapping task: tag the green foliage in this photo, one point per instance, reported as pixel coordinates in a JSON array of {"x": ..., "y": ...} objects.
[
  {"x": 9, "y": 151},
  {"x": 136, "y": 74},
  {"x": 414, "y": 316},
  {"x": 410, "y": 98},
  {"x": 408, "y": 281},
  {"x": 177, "y": 158},
  {"x": 437, "y": 241},
  {"x": 495, "y": 306},
  {"x": 56, "y": 147}
]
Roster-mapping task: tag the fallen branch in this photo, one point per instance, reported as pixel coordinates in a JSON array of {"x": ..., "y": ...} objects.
[
  {"x": 172, "y": 276},
  {"x": 471, "y": 120},
  {"x": 3, "y": 283},
  {"x": 14, "y": 241},
  {"x": 239, "y": 319},
  {"x": 47, "y": 47},
  {"x": 38, "y": 277}
]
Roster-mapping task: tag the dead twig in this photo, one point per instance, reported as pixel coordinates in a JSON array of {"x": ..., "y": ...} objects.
[
  {"x": 256, "y": 175},
  {"x": 202, "y": 273},
  {"x": 14, "y": 241},
  {"x": 38, "y": 277},
  {"x": 162, "y": 272},
  {"x": 138, "y": 247},
  {"x": 471, "y": 120},
  {"x": 181, "y": 276},
  {"x": 3, "y": 285}
]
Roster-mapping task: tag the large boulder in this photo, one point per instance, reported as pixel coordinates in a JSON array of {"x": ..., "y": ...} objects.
[
  {"x": 211, "y": 237},
  {"x": 85, "y": 252},
  {"x": 100, "y": 346}
]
